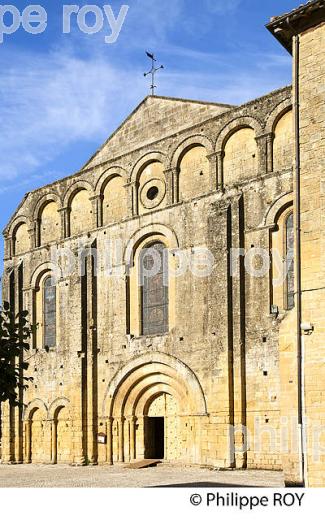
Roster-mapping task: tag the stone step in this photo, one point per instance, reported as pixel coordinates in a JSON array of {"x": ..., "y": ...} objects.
[{"x": 141, "y": 464}]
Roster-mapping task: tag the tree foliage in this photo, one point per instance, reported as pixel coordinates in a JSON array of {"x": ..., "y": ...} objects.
[{"x": 15, "y": 333}]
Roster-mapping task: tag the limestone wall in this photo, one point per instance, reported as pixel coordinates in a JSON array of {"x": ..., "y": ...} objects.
[
  {"x": 312, "y": 113},
  {"x": 219, "y": 359},
  {"x": 50, "y": 223},
  {"x": 241, "y": 160},
  {"x": 114, "y": 200},
  {"x": 283, "y": 142},
  {"x": 194, "y": 173},
  {"x": 21, "y": 240}
]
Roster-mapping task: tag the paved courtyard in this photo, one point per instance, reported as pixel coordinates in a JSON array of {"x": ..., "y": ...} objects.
[{"x": 164, "y": 475}]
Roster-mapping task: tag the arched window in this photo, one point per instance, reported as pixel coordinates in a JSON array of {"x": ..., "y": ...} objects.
[
  {"x": 290, "y": 280},
  {"x": 49, "y": 312},
  {"x": 154, "y": 289}
]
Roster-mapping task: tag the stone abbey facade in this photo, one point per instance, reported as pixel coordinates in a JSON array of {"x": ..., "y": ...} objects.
[{"x": 189, "y": 363}]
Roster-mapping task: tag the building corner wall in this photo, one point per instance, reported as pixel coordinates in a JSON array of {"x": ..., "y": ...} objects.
[
  {"x": 311, "y": 106},
  {"x": 312, "y": 146}
]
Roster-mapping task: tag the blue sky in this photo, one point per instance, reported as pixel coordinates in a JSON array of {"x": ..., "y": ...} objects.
[{"x": 61, "y": 95}]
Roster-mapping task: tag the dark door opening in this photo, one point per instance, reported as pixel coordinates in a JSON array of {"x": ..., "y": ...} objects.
[{"x": 154, "y": 438}]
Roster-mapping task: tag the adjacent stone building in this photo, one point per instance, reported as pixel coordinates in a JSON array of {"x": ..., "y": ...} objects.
[{"x": 196, "y": 362}]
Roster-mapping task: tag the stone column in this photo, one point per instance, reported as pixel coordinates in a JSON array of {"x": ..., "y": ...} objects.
[
  {"x": 262, "y": 154},
  {"x": 170, "y": 187},
  {"x": 28, "y": 441},
  {"x": 175, "y": 181},
  {"x": 219, "y": 166},
  {"x": 269, "y": 151},
  {"x": 133, "y": 198},
  {"x": 132, "y": 438},
  {"x": 96, "y": 202},
  {"x": 65, "y": 222},
  {"x": 121, "y": 440},
  {"x": 213, "y": 180},
  {"x": 34, "y": 234},
  {"x": 54, "y": 454},
  {"x": 109, "y": 426}
]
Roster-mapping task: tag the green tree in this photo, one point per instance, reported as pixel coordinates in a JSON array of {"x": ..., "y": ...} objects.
[{"x": 15, "y": 332}]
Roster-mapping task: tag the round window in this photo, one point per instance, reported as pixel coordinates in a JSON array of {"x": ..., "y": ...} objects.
[{"x": 152, "y": 193}]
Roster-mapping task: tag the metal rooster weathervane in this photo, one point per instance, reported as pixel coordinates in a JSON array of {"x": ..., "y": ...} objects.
[{"x": 152, "y": 72}]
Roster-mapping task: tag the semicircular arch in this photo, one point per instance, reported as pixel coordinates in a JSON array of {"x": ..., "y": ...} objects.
[
  {"x": 35, "y": 404},
  {"x": 144, "y": 365},
  {"x": 186, "y": 145},
  {"x": 234, "y": 126},
  {"x": 144, "y": 161},
  {"x": 160, "y": 231},
  {"x": 56, "y": 405}
]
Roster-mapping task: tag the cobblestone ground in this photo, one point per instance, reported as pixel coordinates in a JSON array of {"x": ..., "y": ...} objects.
[{"x": 164, "y": 475}]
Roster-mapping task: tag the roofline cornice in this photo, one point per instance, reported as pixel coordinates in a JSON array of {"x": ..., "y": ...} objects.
[{"x": 288, "y": 25}]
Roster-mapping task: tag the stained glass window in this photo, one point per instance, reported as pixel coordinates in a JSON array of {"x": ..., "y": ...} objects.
[
  {"x": 49, "y": 313},
  {"x": 154, "y": 288},
  {"x": 290, "y": 285}
]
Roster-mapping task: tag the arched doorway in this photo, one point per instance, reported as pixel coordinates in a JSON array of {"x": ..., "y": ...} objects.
[
  {"x": 161, "y": 428},
  {"x": 150, "y": 404}
]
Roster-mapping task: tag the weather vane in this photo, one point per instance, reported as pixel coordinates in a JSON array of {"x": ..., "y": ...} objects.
[{"x": 152, "y": 72}]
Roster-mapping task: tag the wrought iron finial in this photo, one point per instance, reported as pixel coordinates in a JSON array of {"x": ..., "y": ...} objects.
[{"x": 152, "y": 72}]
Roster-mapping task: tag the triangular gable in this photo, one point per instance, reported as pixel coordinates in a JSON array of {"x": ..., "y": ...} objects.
[{"x": 154, "y": 119}]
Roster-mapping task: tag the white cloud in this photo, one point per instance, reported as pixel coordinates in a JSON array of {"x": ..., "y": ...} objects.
[{"x": 49, "y": 102}]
